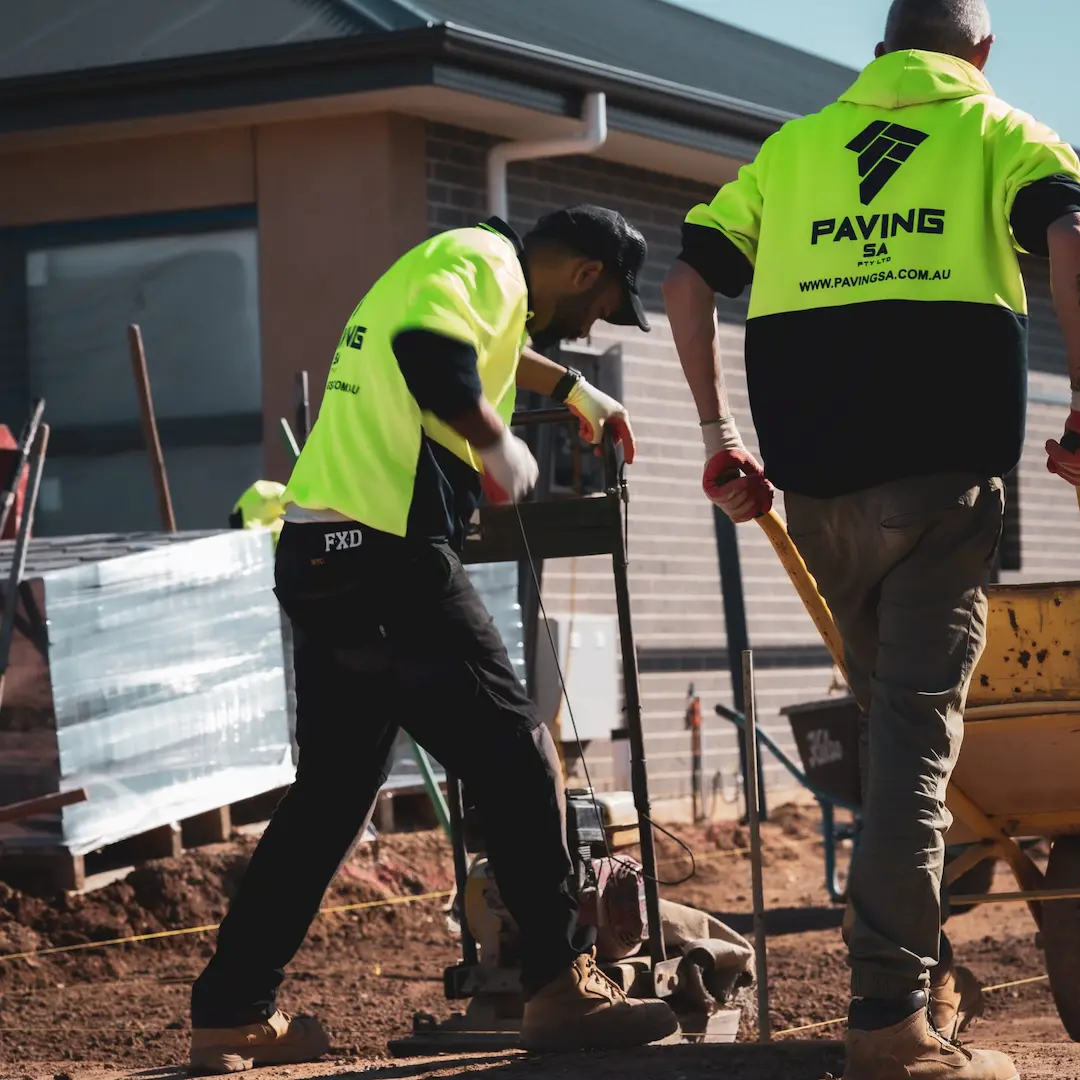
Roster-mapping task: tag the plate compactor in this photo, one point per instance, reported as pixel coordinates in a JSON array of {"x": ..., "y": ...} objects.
[{"x": 617, "y": 894}]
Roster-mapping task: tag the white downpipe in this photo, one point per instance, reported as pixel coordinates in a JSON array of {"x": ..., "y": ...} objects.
[{"x": 593, "y": 136}]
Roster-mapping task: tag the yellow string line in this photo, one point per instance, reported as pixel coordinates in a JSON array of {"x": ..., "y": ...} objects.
[
  {"x": 213, "y": 926},
  {"x": 842, "y": 1019},
  {"x": 1017, "y": 982}
]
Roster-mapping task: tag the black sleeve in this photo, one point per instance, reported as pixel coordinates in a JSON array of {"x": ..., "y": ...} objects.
[
  {"x": 439, "y": 372},
  {"x": 722, "y": 265},
  {"x": 1038, "y": 205}
]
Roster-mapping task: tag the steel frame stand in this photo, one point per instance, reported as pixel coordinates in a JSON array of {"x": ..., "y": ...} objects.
[{"x": 738, "y": 641}]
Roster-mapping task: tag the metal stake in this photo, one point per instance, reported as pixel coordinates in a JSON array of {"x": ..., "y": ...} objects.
[
  {"x": 18, "y": 555},
  {"x": 749, "y": 711},
  {"x": 150, "y": 430},
  {"x": 303, "y": 408},
  {"x": 25, "y": 444}
]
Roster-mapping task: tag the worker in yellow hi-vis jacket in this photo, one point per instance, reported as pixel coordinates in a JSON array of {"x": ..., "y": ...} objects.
[
  {"x": 885, "y": 360},
  {"x": 260, "y": 507},
  {"x": 388, "y": 628}
]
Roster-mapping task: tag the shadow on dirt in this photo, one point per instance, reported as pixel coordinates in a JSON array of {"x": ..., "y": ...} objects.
[
  {"x": 788, "y": 1059},
  {"x": 786, "y": 920}
]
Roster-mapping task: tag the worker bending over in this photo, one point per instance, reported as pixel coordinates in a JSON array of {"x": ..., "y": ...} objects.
[
  {"x": 389, "y": 630},
  {"x": 886, "y": 364}
]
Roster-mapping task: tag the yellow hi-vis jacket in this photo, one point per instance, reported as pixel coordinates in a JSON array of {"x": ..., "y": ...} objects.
[
  {"x": 260, "y": 507},
  {"x": 886, "y": 334},
  {"x": 361, "y": 457}
]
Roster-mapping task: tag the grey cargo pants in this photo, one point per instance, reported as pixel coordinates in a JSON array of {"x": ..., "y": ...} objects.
[{"x": 904, "y": 568}]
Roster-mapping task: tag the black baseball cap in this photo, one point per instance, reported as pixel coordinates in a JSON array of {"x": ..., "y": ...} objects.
[{"x": 603, "y": 234}]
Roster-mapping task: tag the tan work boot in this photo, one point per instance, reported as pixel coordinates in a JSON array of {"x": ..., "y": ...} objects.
[
  {"x": 281, "y": 1040},
  {"x": 913, "y": 1050},
  {"x": 583, "y": 1009},
  {"x": 956, "y": 1001}
]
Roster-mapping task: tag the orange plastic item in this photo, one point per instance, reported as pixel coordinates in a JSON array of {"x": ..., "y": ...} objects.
[{"x": 9, "y": 455}]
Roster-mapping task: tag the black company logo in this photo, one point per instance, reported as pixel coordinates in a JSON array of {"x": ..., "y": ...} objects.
[{"x": 882, "y": 148}]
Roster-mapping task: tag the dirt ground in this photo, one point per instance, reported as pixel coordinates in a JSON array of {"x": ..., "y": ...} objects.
[{"x": 121, "y": 1011}]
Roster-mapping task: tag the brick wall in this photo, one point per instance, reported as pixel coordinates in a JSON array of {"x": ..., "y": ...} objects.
[
  {"x": 656, "y": 204},
  {"x": 675, "y": 586}
]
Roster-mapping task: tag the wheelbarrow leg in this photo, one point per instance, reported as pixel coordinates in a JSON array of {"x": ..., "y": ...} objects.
[
  {"x": 828, "y": 836},
  {"x": 1028, "y": 876}
]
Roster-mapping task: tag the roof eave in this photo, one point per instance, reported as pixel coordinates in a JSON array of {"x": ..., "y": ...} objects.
[{"x": 324, "y": 68}]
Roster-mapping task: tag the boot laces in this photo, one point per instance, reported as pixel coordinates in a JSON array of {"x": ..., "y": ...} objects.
[
  {"x": 596, "y": 978},
  {"x": 954, "y": 1044}
]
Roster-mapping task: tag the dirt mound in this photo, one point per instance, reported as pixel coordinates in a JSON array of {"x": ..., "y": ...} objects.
[
  {"x": 365, "y": 973},
  {"x": 194, "y": 891}
]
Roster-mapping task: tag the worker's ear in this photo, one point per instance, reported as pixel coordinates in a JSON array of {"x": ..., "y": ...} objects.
[
  {"x": 982, "y": 52},
  {"x": 879, "y": 50},
  {"x": 586, "y": 273}
]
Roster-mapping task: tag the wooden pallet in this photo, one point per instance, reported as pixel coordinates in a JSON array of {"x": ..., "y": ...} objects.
[
  {"x": 58, "y": 869},
  {"x": 406, "y": 807}
]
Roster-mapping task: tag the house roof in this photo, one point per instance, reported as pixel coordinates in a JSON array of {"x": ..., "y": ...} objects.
[
  {"x": 659, "y": 39},
  {"x": 41, "y": 37},
  {"x": 654, "y": 48}
]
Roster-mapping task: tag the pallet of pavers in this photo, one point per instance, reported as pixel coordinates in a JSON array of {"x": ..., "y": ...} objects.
[{"x": 149, "y": 670}]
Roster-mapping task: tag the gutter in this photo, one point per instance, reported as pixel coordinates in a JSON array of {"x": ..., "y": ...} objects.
[
  {"x": 330, "y": 67},
  {"x": 646, "y": 93},
  {"x": 592, "y": 137}
]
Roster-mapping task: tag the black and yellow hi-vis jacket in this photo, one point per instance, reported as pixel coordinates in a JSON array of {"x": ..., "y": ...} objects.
[{"x": 887, "y": 326}]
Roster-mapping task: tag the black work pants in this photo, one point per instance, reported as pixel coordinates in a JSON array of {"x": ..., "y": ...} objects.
[{"x": 390, "y": 634}]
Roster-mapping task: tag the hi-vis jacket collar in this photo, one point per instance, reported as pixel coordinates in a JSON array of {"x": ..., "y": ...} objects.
[
  {"x": 914, "y": 77},
  {"x": 496, "y": 224}
]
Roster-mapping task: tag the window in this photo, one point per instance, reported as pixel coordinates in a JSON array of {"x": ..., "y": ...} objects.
[{"x": 190, "y": 282}]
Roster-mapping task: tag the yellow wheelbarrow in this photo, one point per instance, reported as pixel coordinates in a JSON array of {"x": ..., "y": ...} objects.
[{"x": 1018, "y": 775}]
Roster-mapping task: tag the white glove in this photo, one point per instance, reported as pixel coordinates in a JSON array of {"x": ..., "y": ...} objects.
[
  {"x": 594, "y": 409},
  {"x": 510, "y": 470}
]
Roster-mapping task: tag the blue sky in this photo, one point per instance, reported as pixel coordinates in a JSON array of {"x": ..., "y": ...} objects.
[{"x": 1033, "y": 64}]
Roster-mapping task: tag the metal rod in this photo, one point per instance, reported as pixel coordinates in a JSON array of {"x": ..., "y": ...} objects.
[
  {"x": 461, "y": 872},
  {"x": 1032, "y": 896},
  {"x": 303, "y": 408},
  {"x": 639, "y": 777},
  {"x": 26, "y": 441},
  {"x": 42, "y": 804},
  {"x": 289, "y": 439},
  {"x": 736, "y": 633},
  {"x": 431, "y": 785},
  {"x": 525, "y": 417},
  {"x": 18, "y": 556},
  {"x": 750, "y": 712},
  {"x": 150, "y": 431}
]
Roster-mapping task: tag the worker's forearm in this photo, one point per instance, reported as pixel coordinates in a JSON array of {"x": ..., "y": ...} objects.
[
  {"x": 481, "y": 426},
  {"x": 537, "y": 373},
  {"x": 1063, "y": 239},
  {"x": 691, "y": 310}
]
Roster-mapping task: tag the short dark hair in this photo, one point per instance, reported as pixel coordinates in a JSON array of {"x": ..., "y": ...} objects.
[{"x": 954, "y": 27}]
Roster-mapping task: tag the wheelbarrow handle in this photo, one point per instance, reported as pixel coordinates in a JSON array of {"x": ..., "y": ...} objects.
[{"x": 805, "y": 585}]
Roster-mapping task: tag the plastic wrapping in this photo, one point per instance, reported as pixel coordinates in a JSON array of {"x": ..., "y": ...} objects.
[
  {"x": 167, "y": 675},
  {"x": 155, "y": 671}
]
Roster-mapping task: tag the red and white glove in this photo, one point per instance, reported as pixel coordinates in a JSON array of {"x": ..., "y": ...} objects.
[
  {"x": 510, "y": 470},
  {"x": 1063, "y": 456},
  {"x": 594, "y": 409},
  {"x": 733, "y": 479}
]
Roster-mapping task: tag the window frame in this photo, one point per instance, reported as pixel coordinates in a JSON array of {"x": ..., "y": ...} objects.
[{"x": 241, "y": 429}]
